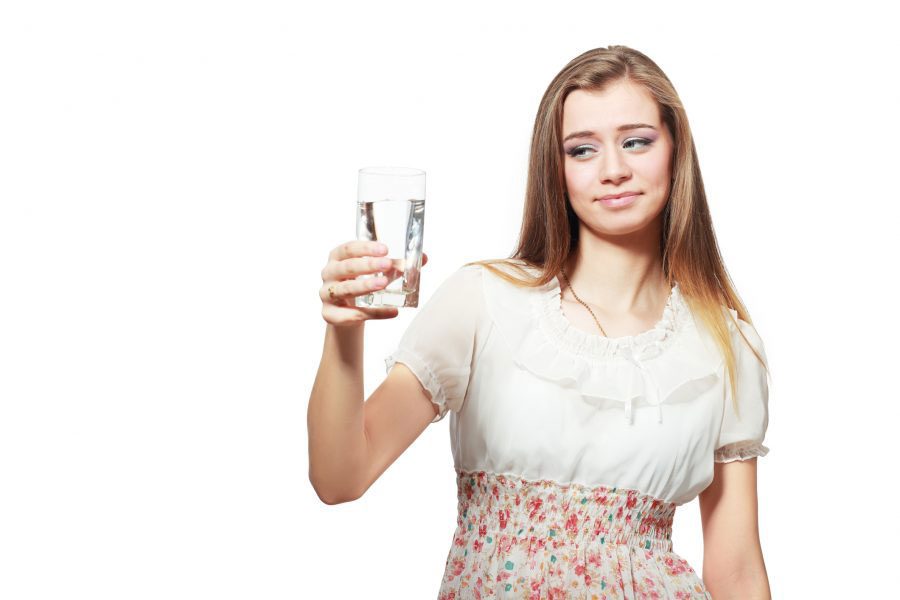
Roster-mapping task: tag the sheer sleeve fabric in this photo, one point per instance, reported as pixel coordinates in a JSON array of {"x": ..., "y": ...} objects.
[
  {"x": 439, "y": 343},
  {"x": 742, "y": 433}
]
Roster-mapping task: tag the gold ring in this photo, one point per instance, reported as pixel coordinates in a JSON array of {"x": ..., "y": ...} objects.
[{"x": 331, "y": 291}]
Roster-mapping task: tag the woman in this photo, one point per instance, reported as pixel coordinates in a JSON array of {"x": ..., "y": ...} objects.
[{"x": 603, "y": 375}]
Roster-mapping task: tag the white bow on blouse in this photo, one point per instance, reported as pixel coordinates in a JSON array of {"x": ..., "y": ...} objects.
[{"x": 651, "y": 385}]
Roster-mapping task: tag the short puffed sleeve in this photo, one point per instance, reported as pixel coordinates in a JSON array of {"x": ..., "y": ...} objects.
[
  {"x": 742, "y": 433},
  {"x": 439, "y": 344}
]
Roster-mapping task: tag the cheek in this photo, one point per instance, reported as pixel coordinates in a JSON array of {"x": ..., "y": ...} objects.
[
  {"x": 657, "y": 166},
  {"x": 655, "y": 169},
  {"x": 579, "y": 179}
]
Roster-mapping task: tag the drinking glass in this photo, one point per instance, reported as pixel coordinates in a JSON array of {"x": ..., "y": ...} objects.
[{"x": 390, "y": 208}]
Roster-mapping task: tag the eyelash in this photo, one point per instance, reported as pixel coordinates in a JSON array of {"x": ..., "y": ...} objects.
[{"x": 574, "y": 151}]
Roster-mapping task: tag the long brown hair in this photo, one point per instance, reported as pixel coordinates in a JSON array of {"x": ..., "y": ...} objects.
[{"x": 549, "y": 232}]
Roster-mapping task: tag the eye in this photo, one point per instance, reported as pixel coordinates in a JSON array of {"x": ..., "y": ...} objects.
[
  {"x": 644, "y": 141},
  {"x": 577, "y": 152}
]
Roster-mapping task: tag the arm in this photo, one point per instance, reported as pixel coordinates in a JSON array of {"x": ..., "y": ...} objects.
[
  {"x": 334, "y": 417},
  {"x": 352, "y": 443},
  {"x": 733, "y": 565}
]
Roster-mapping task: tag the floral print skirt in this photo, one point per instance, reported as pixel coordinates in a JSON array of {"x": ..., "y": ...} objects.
[{"x": 517, "y": 538}]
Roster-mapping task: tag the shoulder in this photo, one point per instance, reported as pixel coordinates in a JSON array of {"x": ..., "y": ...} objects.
[
  {"x": 465, "y": 279},
  {"x": 473, "y": 274},
  {"x": 742, "y": 332},
  {"x": 459, "y": 293},
  {"x": 747, "y": 344},
  {"x": 511, "y": 271}
]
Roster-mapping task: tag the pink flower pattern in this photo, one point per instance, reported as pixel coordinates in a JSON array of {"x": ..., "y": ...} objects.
[{"x": 537, "y": 540}]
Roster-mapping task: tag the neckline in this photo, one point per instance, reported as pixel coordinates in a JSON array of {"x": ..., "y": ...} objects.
[
  {"x": 575, "y": 340},
  {"x": 666, "y": 307}
]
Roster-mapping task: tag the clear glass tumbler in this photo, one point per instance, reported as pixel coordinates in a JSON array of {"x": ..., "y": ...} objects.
[{"x": 390, "y": 208}]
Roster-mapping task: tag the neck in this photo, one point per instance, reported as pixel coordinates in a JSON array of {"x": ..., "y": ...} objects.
[{"x": 621, "y": 273}]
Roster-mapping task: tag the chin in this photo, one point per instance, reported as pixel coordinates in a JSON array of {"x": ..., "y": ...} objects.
[{"x": 621, "y": 224}]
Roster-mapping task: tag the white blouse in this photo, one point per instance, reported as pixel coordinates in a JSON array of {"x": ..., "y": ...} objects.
[{"x": 533, "y": 396}]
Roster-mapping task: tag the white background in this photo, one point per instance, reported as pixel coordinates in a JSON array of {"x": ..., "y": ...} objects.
[{"x": 173, "y": 176}]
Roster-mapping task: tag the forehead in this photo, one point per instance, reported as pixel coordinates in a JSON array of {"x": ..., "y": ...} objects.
[{"x": 620, "y": 103}]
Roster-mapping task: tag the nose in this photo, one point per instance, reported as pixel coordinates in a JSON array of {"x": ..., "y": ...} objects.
[{"x": 614, "y": 169}]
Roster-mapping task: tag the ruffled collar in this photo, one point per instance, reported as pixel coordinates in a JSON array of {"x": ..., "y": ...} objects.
[
  {"x": 548, "y": 313},
  {"x": 669, "y": 363}
]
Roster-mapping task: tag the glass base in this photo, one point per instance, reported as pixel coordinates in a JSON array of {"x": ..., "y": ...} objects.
[{"x": 385, "y": 299}]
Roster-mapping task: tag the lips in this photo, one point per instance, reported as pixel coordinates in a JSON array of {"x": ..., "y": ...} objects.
[
  {"x": 614, "y": 196},
  {"x": 620, "y": 201}
]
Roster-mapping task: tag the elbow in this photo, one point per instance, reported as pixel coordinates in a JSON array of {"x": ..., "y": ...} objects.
[
  {"x": 332, "y": 500},
  {"x": 332, "y": 497}
]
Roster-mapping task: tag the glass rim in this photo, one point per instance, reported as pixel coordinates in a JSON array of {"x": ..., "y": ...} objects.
[{"x": 392, "y": 171}]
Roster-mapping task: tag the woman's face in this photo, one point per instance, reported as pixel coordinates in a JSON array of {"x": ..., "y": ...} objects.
[{"x": 600, "y": 159}]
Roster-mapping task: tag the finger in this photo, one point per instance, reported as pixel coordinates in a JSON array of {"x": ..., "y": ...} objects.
[
  {"x": 352, "y": 267},
  {"x": 349, "y": 268},
  {"x": 345, "y": 290},
  {"x": 346, "y": 314},
  {"x": 363, "y": 312},
  {"x": 355, "y": 248}
]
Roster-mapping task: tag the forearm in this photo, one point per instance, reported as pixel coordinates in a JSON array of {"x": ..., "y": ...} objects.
[{"x": 335, "y": 416}]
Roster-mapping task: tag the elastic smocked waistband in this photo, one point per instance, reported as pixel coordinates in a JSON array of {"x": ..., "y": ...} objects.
[{"x": 493, "y": 505}]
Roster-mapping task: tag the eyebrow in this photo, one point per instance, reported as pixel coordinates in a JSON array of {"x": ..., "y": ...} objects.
[{"x": 627, "y": 126}]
